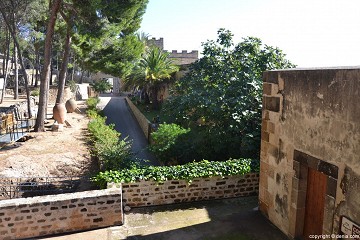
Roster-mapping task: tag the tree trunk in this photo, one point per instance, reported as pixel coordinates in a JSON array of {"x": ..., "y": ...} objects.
[
  {"x": 73, "y": 68},
  {"x": 154, "y": 96},
  {"x": 64, "y": 64},
  {"x": 12, "y": 30},
  {"x": 6, "y": 66},
  {"x": 45, "y": 76},
  {"x": 51, "y": 73},
  {"x": 16, "y": 68},
  {"x": 32, "y": 77},
  {"x": 82, "y": 76},
  {"x": 37, "y": 68}
]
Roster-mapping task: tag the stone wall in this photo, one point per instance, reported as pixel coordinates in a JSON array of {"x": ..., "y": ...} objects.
[
  {"x": 149, "y": 193},
  {"x": 180, "y": 58},
  {"x": 53, "y": 93},
  {"x": 184, "y": 57},
  {"x": 54, "y": 214},
  {"x": 140, "y": 118},
  {"x": 310, "y": 122}
]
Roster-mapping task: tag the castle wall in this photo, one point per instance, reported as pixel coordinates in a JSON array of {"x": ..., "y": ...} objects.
[
  {"x": 180, "y": 58},
  {"x": 184, "y": 57}
]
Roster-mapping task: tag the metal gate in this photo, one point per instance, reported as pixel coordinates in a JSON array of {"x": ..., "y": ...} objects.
[{"x": 38, "y": 186}]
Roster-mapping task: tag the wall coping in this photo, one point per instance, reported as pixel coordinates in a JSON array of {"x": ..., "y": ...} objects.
[
  {"x": 317, "y": 68},
  {"x": 58, "y": 197}
]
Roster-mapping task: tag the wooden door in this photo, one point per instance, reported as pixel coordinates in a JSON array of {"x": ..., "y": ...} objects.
[{"x": 315, "y": 203}]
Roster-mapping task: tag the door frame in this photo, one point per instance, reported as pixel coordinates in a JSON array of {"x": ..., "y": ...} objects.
[{"x": 301, "y": 163}]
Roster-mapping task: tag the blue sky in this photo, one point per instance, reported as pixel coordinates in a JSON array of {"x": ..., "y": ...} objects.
[{"x": 313, "y": 33}]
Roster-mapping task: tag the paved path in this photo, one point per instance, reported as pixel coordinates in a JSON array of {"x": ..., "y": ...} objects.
[{"x": 118, "y": 113}]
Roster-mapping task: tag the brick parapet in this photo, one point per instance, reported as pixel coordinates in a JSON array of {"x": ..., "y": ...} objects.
[
  {"x": 149, "y": 193},
  {"x": 54, "y": 214}
]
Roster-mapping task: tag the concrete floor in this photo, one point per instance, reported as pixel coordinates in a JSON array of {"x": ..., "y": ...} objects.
[{"x": 231, "y": 219}]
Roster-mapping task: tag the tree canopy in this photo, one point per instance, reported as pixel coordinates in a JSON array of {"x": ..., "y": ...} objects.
[
  {"x": 221, "y": 96},
  {"x": 153, "y": 69},
  {"x": 105, "y": 39}
]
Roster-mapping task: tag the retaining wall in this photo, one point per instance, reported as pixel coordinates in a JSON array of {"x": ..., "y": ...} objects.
[
  {"x": 53, "y": 214},
  {"x": 140, "y": 118},
  {"x": 148, "y": 193}
]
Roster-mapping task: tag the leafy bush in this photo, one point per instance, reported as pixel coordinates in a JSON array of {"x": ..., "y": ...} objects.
[
  {"x": 92, "y": 103},
  {"x": 112, "y": 152},
  {"x": 35, "y": 92},
  {"x": 72, "y": 86},
  {"x": 180, "y": 172},
  {"x": 220, "y": 98},
  {"x": 167, "y": 145},
  {"x": 101, "y": 86}
]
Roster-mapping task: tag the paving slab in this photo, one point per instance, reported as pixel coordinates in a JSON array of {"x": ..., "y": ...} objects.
[
  {"x": 230, "y": 219},
  {"x": 236, "y": 218}
]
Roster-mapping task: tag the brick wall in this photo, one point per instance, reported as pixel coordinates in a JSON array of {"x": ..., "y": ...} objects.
[
  {"x": 147, "y": 193},
  {"x": 140, "y": 118},
  {"x": 53, "y": 214}
]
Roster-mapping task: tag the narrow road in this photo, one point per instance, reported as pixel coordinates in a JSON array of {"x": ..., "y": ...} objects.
[{"x": 118, "y": 113}]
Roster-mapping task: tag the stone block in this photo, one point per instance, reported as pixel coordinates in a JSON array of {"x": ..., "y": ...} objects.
[
  {"x": 272, "y": 104},
  {"x": 270, "y": 89},
  {"x": 331, "y": 186},
  {"x": 264, "y": 136},
  {"x": 270, "y": 77}
]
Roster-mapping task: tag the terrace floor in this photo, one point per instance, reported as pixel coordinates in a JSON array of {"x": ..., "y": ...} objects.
[{"x": 231, "y": 219}]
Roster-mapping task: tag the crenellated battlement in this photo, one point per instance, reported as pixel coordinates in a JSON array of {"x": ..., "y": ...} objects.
[
  {"x": 182, "y": 58},
  {"x": 157, "y": 42}
]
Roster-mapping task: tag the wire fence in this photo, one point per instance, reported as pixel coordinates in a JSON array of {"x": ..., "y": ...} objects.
[{"x": 38, "y": 186}]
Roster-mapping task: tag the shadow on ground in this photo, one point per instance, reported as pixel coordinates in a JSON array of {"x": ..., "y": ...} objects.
[{"x": 232, "y": 219}]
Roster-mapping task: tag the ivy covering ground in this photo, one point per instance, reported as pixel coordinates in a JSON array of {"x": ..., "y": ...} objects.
[{"x": 186, "y": 172}]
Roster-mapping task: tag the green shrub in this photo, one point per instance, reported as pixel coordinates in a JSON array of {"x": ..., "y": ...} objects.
[
  {"x": 92, "y": 113},
  {"x": 72, "y": 86},
  {"x": 101, "y": 86},
  {"x": 92, "y": 103},
  {"x": 180, "y": 172},
  {"x": 167, "y": 145},
  {"x": 35, "y": 92},
  {"x": 112, "y": 152}
]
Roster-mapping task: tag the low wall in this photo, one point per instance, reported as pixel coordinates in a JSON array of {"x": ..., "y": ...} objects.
[
  {"x": 53, "y": 94},
  {"x": 53, "y": 214},
  {"x": 148, "y": 193},
  {"x": 140, "y": 118}
]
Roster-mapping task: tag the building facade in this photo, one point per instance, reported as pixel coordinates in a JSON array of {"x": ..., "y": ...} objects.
[{"x": 310, "y": 151}]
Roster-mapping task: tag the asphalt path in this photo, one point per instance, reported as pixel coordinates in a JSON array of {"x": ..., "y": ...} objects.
[{"x": 117, "y": 112}]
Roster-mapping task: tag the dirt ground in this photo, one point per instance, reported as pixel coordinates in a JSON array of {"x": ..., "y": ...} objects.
[{"x": 50, "y": 154}]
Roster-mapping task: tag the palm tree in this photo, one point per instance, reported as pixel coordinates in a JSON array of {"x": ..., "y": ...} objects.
[{"x": 156, "y": 67}]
